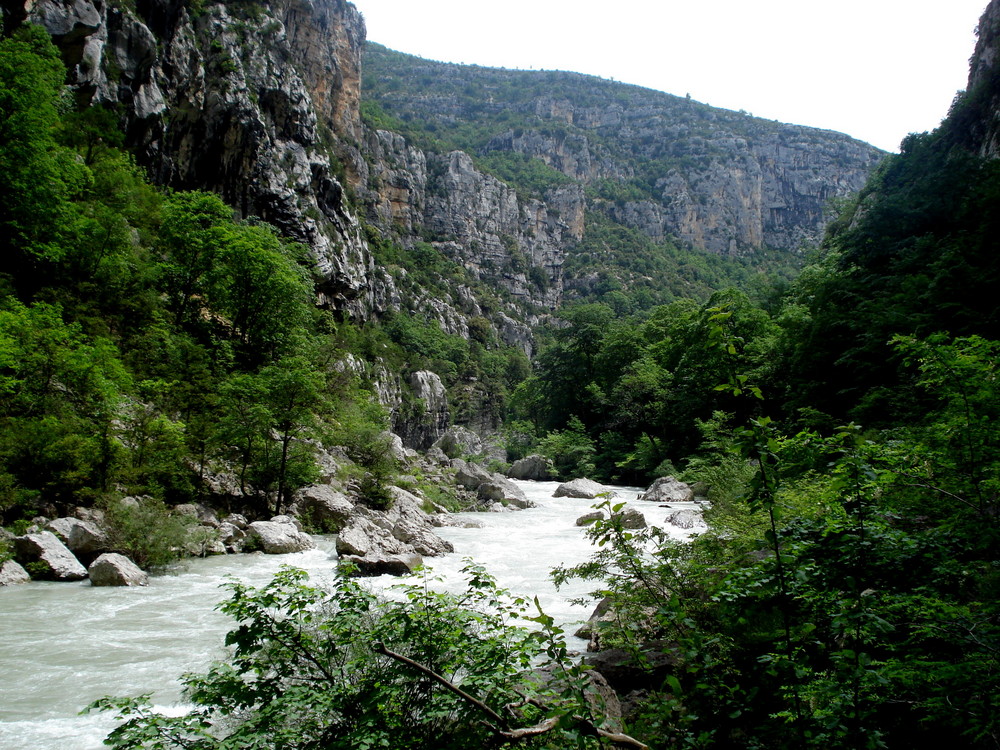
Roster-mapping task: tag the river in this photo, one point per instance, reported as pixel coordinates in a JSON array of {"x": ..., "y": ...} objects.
[{"x": 63, "y": 645}]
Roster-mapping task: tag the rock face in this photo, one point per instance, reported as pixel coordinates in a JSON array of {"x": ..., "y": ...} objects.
[
  {"x": 45, "y": 553},
  {"x": 984, "y": 135},
  {"x": 668, "y": 490},
  {"x": 723, "y": 181},
  {"x": 112, "y": 569},
  {"x": 584, "y": 488},
  {"x": 429, "y": 415},
  {"x": 205, "y": 108},
  {"x": 278, "y": 538},
  {"x": 260, "y": 103}
]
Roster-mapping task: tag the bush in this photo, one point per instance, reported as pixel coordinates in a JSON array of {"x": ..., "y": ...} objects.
[
  {"x": 342, "y": 668},
  {"x": 147, "y": 532}
]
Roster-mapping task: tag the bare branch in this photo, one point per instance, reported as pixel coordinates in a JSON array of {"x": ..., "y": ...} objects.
[{"x": 512, "y": 735}]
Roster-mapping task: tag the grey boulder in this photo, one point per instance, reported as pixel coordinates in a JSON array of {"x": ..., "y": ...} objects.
[
  {"x": 56, "y": 561},
  {"x": 112, "y": 569},
  {"x": 12, "y": 574},
  {"x": 278, "y": 538},
  {"x": 668, "y": 490},
  {"x": 581, "y": 488}
]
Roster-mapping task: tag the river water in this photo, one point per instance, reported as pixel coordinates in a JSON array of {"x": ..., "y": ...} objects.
[{"x": 63, "y": 645}]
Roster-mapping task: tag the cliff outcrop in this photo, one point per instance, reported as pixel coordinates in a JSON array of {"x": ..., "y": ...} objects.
[{"x": 721, "y": 181}]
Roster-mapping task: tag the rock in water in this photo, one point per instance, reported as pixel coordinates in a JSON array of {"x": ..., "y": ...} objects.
[
  {"x": 12, "y": 574},
  {"x": 377, "y": 564},
  {"x": 532, "y": 467},
  {"x": 684, "y": 519},
  {"x": 668, "y": 490},
  {"x": 112, "y": 569},
  {"x": 588, "y": 518},
  {"x": 585, "y": 488},
  {"x": 53, "y": 559},
  {"x": 278, "y": 538},
  {"x": 631, "y": 519}
]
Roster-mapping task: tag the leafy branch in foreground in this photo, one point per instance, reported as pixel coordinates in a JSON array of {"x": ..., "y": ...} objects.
[{"x": 340, "y": 667}]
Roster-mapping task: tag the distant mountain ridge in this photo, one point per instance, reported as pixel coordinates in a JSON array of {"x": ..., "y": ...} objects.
[{"x": 717, "y": 180}]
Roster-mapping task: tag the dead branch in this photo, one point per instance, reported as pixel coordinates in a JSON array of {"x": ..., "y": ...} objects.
[{"x": 512, "y": 735}]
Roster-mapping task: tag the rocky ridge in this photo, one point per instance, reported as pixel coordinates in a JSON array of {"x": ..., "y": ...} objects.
[{"x": 261, "y": 103}]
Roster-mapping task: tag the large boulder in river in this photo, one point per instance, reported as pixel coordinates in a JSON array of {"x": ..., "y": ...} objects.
[
  {"x": 79, "y": 536},
  {"x": 47, "y": 557},
  {"x": 411, "y": 524},
  {"x": 685, "y": 519},
  {"x": 112, "y": 569},
  {"x": 403, "y": 529},
  {"x": 499, "y": 489},
  {"x": 668, "y": 490},
  {"x": 583, "y": 488},
  {"x": 589, "y": 518},
  {"x": 12, "y": 574},
  {"x": 536, "y": 468},
  {"x": 277, "y": 538},
  {"x": 324, "y": 508},
  {"x": 365, "y": 537},
  {"x": 631, "y": 518}
]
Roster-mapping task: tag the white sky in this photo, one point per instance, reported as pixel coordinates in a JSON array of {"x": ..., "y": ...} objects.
[{"x": 875, "y": 69}]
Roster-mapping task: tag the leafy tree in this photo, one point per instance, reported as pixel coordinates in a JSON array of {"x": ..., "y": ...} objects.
[{"x": 341, "y": 668}]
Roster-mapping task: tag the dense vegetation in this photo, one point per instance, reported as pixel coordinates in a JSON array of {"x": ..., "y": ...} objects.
[{"x": 149, "y": 340}]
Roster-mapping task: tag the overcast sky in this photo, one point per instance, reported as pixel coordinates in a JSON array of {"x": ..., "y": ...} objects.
[{"x": 875, "y": 69}]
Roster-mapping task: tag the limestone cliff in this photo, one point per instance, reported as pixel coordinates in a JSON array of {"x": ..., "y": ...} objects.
[
  {"x": 721, "y": 181},
  {"x": 241, "y": 99},
  {"x": 979, "y": 109}
]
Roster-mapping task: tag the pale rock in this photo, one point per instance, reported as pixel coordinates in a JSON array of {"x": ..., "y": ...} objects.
[
  {"x": 44, "y": 547},
  {"x": 112, "y": 569},
  {"x": 278, "y": 538},
  {"x": 501, "y": 489},
  {"x": 582, "y": 488},
  {"x": 668, "y": 490},
  {"x": 12, "y": 574},
  {"x": 589, "y": 518},
  {"x": 631, "y": 519},
  {"x": 684, "y": 519},
  {"x": 238, "y": 520},
  {"x": 470, "y": 475},
  {"x": 231, "y": 536},
  {"x": 79, "y": 536},
  {"x": 460, "y": 441},
  {"x": 284, "y": 518},
  {"x": 324, "y": 507}
]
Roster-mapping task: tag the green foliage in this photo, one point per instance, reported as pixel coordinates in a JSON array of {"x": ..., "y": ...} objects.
[
  {"x": 146, "y": 531},
  {"x": 342, "y": 668},
  {"x": 571, "y": 450},
  {"x": 832, "y": 602},
  {"x": 145, "y": 339}
]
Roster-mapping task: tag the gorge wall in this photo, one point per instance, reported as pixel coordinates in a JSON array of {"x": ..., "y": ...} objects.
[{"x": 262, "y": 103}]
